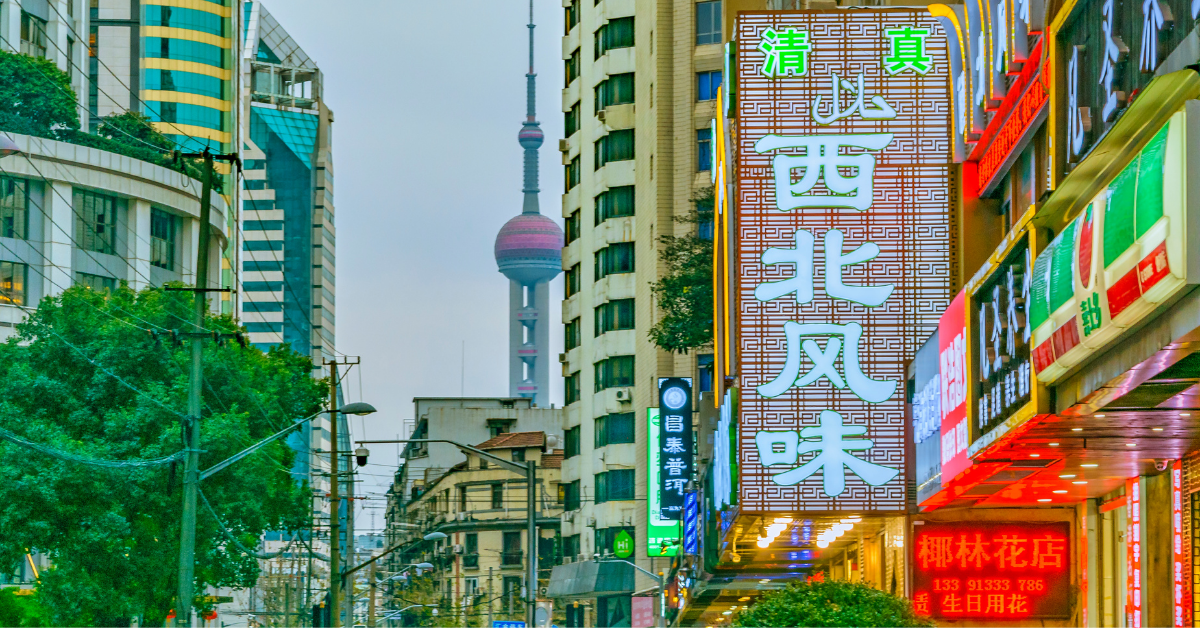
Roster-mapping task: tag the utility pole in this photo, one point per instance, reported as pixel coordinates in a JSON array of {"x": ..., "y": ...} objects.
[
  {"x": 489, "y": 597},
  {"x": 531, "y": 576},
  {"x": 191, "y": 427},
  {"x": 371, "y": 598},
  {"x": 335, "y": 504}
]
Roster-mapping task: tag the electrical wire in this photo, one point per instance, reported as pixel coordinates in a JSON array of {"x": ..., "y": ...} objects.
[
  {"x": 116, "y": 377},
  {"x": 233, "y": 539},
  {"x": 95, "y": 462}
]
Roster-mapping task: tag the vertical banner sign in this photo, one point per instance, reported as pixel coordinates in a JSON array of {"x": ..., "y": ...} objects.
[
  {"x": 1177, "y": 556},
  {"x": 675, "y": 444},
  {"x": 691, "y": 523},
  {"x": 1083, "y": 567},
  {"x": 843, "y": 248},
  {"x": 658, "y": 530},
  {"x": 1133, "y": 545},
  {"x": 952, "y": 367}
]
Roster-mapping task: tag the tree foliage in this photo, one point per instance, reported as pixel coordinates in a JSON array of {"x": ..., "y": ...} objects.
[
  {"x": 685, "y": 291},
  {"x": 113, "y": 534},
  {"x": 36, "y": 98},
  {"x": 830, "y": 603}
]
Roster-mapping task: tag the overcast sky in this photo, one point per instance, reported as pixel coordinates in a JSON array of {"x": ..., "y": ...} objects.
[{"x": 428, "y": 98}]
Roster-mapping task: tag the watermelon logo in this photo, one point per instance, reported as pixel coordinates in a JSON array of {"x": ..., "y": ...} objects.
[{"x": 1084, "y": 250}]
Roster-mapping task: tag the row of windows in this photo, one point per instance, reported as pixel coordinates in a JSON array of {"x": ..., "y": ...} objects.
[
  {"x": 572, "y": 332},
  {"x": 191, "y": 19},
  {"x": 186, "y": 113},
  {"x": 571, "y": 383},
  {"x": 99, "y": 283},
  {"x": 616, "y": 146},
  {"x": 12, "y": 283},
  {"x": 262, "y": 266},
  {"x": 617, "y": 89},
  {"x": 571, "y": 496},
  {"x": 572, "y": 280},
  {"x": 708, "y": 21},
  {"x": 614, "y": 259},
  {"x": 571, "y": 173},
  {"x": 262, "y": 286},
  {"x": 262, "y": 306},
  {"x": 14, "y": 208},
  {"x": 162, "y": 239},
  {"x": 185, "y": 82},
  {"x": 617, "y": 33},
  {"x": 613, "y": 372},
  {"x": 262, "y": 225},
  {"x": 571, "y": 120},
  {"x": 95, "y": 222},
  {"x": 571, "y": 442},
  {"x": 572, "y": 227},
  {"x": 183, "y": 50},
  {"x": 571, "y": 67},
  {"x": 263, "y": 328},
  {"x": 614, "y": 203},
  {"x": 262, "y": 245}
]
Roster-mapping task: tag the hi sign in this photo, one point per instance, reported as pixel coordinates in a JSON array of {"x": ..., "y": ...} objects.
[{"x": 843, "y": 248}]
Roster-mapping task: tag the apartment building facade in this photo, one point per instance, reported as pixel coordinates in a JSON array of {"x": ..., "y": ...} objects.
[{"x": 640, "y": 87}]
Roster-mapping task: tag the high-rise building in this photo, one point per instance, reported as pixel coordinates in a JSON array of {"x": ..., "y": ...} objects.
[
  {"x": 529, "y": 253},
  {"x": 640, "y": 83}
]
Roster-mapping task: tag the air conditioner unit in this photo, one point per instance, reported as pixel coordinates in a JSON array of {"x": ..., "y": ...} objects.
[
  {"x": 600, "y": 115},
  {"x": 462, "y": 516},
  {"x": 591, "y": 522},
  {"x": 564, "y": 145},
  {"x": 458, "y": 548},
  {"x": 562, "y": 357},
  {"x": 569, "y": 517},
  {"x": 624, "y": 394}
]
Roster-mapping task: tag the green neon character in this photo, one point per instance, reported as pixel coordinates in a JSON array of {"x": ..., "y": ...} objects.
[
  {"x": 908, "y": 51},
  {"x": 787, "y": 52}
]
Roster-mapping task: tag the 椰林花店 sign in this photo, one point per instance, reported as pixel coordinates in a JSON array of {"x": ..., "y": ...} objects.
[{"x": 843, "y": 248}]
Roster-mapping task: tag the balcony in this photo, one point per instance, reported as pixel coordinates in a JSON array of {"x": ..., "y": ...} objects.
[
  {"x": 470, "y": 561},
  {"x": 510, "y": 559}
]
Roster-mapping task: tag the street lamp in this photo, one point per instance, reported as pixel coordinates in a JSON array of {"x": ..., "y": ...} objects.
[
  {"x": 356, "y": 408},
  {"x": 529, "y": 470},
  {"x": 8, "y": 146},
  {"x": 660, "y": 577}
]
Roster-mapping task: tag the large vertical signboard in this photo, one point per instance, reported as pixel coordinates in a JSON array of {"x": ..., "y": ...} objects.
[
  {"x": 843, "y": 248},
  {"x": 992, "y": 571},
  {"x": 675, "y": 444},
  {"x": 952, "y": 370},
  {"x": 662, "y": 535}
]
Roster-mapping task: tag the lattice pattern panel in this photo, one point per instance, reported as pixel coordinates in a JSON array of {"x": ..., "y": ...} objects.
[{"x": 908, "y": 217}]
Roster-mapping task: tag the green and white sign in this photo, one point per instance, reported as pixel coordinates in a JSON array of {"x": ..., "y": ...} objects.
[{"x": 658, "y": 530}]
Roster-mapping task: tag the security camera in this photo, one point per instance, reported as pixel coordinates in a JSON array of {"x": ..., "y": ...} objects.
[
  {"x": 596, "y": 556},
  {"x": 361, "y": 454},
  {"x": 1162, "y": 465}
]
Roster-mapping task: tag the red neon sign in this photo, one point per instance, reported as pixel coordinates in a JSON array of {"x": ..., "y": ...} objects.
[
  {"x": 1179, "y": 592},
  {"x": 976, "y": 570},
  {"x": 1026, "y": 101},
  {"x": 1133, "y": 553}
]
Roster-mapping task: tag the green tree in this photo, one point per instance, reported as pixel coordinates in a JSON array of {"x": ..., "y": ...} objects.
[
  {"x": 685, "y": 291},
  {"x": 21, "y": 610},
  {"x": 35, "y": 96},
  {"x": 830, "y": 603},
  {"x": 67, "y": 379}
]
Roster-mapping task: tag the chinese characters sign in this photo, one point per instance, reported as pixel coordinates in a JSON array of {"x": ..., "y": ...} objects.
[
  {"x": 843, "y": 248},
  {"x": 675, "y": 444},
  {"x": 981, "y": 570},
  {"x": 952, "y": 368},
  {"x": 1002, "y": 335},
  {"x": 660, "y": 533}
]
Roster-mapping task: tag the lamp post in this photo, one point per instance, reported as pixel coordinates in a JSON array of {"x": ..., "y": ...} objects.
[
  {"x": 335, "y": 511},
  {"x": 529, "y": 470},
  {"x": 8, "y": 146}
]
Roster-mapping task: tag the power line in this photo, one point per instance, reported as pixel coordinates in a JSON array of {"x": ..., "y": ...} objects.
[
  {"x": 96, "y": 462},
  {"x": 115, "y": 376},
  {"x": 233, "y": 539}
]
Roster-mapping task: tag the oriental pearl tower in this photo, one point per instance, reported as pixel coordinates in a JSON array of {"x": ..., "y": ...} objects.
[{"x": 529, "y": 253}]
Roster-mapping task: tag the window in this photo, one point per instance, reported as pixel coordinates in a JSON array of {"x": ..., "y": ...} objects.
[
  {"x": 96, "y": 222},
  {"x": 497, "y": 427},
  {"x": 572, "y": 67},
  {"x": 511, "y": 554},
  {"x": 572, "y": 280},
  {"x": 572, "y": 388},
  {"x": 704, "y": 364},
  {"x": 573, "y": 336},
  {"x": 471, "y": 585},
  {"x": 615, "y": 371},
  {"x": 497, "y": 496},
  {"x": 615, "y": 90},
  {"x": 571, "y": 444},
  {"x": 571, "y": 16},
  {"x": 572, "y": 227},
  {"x": 571, "y": 120},
  {"x": 571, "y": 548},
  {"x": 12, "y": 283},
  {"x": 33, "y": 35},
  {"x": 614, "y": 485},
  {"x": 703, "y": 149},
  {"x": 708, "y": 22},
  {"x": 14, "y": 208},
  {"x": 616, "y": 146},
  {"x": 99, "y": 283},
  {"x": 571, "y": 173},
  {"x": 707, "y": 84},
  {"x": 462, "y": 499},
  {"x": 614, "y": 429},
  {"x": 483, "y": 463},
  {"x": 614, "y": 259},
  {"x": 162, "y": 239},
  {"x": 614, "y": 203},
  {"x": 613, "y": 316},
  {"x": 560, "y": 492},
  {"x": 618, "y": 33},
  {"x": 572, "y": 499},
  {"x": 518, "y": 455}
]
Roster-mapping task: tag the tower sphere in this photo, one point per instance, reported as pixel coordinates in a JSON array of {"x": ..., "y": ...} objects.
[
  {"x": 529, "y": 249},
  {"x": 530, "y": 135}
]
